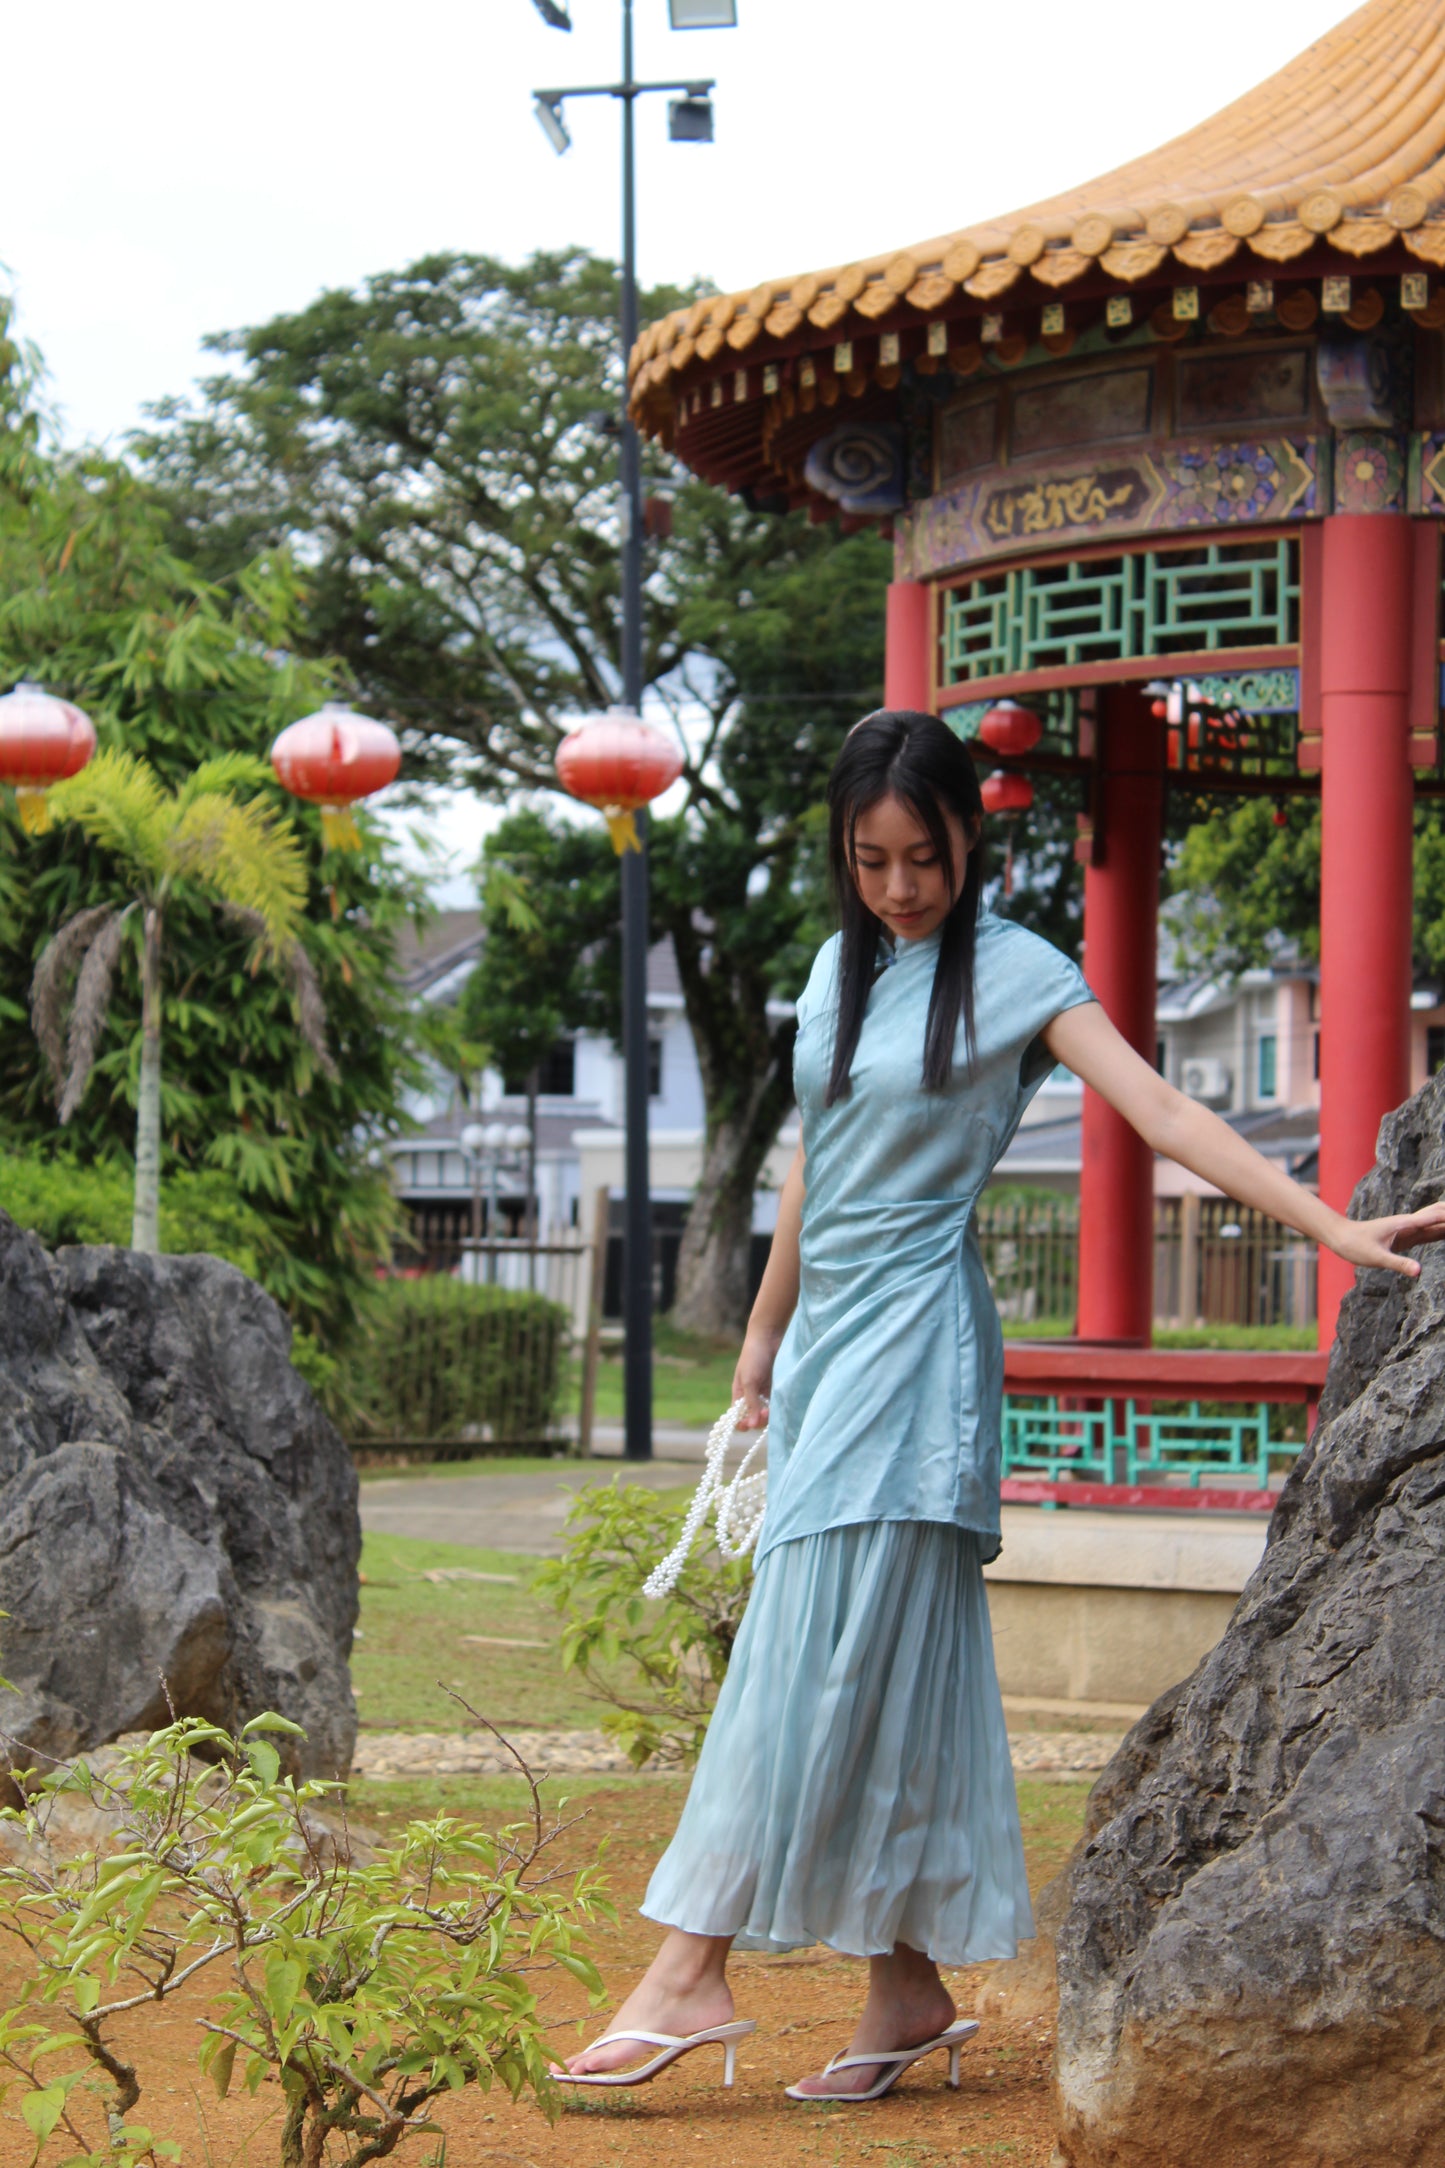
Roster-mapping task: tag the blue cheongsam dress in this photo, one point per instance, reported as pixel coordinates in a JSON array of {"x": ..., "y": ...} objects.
[{"x": 855, "y": 1786}]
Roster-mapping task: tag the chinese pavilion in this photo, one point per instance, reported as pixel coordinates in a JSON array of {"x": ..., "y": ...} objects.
[{"x": 1162, "y": 458}]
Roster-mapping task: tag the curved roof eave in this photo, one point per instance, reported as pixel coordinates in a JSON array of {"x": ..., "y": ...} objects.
[{"x": 1346, "y": 144}]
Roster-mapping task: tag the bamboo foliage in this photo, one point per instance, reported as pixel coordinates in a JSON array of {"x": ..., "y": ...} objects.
[{"x": 205, "y": 840}]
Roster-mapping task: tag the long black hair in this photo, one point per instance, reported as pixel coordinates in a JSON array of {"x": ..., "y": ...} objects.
[{"x": 916, "y": 759}]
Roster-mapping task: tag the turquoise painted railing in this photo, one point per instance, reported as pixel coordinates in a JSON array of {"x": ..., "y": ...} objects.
[{"x": 1119, "y": 1443}]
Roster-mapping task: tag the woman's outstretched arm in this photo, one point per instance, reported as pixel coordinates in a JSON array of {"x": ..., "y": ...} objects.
[
  {"x": 776, "y": 1302},
  {"x": 1084, "y": 1040}
]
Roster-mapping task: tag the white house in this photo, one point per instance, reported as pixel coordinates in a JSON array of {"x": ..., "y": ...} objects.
[{"x": 579, "y": 1118}]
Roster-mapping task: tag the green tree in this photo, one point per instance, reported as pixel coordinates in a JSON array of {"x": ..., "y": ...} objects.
[
  {"x": 1248, "y": 888},
  {"x": 200, "y": 840},
  {"x": 549, "y": 962},
  {"x": 432, "y": 444},
  {"x": 177, "y": 669},
  {"x": 441, "y": 440}
]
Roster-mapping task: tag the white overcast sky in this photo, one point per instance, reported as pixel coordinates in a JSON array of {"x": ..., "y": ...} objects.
[{"x": 172, "y": 167}]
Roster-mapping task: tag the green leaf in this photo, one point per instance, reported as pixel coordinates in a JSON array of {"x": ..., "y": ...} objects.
[
  {"x": 42, "y": 2111},
  {"x": 264, "y": 1759},
  {"x": 222, "y": 2064},
  {"x": 284, "y": 1977}
]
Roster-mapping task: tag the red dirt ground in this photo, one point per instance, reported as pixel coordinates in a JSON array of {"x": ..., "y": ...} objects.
[{"x": 804, "y": 2005}]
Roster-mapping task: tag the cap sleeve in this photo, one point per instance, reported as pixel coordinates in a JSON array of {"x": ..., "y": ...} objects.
[{"x": 1045, "y": 983}]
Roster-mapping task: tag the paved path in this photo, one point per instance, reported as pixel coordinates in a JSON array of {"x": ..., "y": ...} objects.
[{"x": 501, "y": 1512}]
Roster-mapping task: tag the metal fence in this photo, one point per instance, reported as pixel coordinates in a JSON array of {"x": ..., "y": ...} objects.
[
  {"x": 1215, "y": 1263},
  {"x": 1218, "y": 1263},
  {"x": 1031, "y": 1255}
]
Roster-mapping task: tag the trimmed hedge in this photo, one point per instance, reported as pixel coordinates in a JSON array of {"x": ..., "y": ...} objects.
[{"x": 445, "y": 1364}]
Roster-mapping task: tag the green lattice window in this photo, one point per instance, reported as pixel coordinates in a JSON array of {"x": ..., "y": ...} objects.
[{"x": 1121, "y": 609}]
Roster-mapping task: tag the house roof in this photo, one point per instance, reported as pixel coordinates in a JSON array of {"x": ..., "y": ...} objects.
[
  {"x": 451, "y": 939},
  {"x": 1342, "y": 150},
  {"x": 1290, "y": 1134},
  {"x": 430, "y": 952}
]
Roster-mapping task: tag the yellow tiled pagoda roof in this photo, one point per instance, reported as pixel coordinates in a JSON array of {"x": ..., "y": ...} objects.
[{"x": 1345, "y": 145}]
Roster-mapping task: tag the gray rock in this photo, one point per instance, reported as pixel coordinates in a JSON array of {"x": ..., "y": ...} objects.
[
  {"x": 1252, "y": 1960},
  {"x": 176, "y": 1513}
]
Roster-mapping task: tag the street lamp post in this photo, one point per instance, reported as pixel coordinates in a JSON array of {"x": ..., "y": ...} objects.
[{"x": 690, "y": 121}]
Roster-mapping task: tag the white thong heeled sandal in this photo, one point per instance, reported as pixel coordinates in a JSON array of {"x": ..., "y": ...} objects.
[
  {"x": 894, "y": 2063},
  {"x": 672, "y": 2044}
]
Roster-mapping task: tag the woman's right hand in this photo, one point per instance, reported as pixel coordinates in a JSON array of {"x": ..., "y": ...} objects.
[{"x": 753, "y": 1378}]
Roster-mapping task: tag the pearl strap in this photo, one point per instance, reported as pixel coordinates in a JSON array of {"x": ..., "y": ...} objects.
[{"x": 739, "y": 1503}]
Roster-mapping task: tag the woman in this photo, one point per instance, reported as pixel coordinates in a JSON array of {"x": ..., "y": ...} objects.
[{"x": 855, "y": 1787}]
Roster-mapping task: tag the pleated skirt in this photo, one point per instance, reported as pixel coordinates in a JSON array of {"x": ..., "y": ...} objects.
[{"x": 855, "y": 1786}]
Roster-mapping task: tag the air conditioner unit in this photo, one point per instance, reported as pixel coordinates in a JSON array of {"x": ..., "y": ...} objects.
[{"x": 1206, "y": 1080}]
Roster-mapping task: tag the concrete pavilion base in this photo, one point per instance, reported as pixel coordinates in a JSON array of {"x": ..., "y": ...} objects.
[{"x": 1096, "y": 1606}]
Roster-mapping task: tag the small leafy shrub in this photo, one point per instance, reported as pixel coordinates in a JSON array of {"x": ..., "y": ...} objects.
[
  {"x": 443, "y": 1362},
  {"x": 659, "y": 1664},
  {"x": 62, "y": 1201},
  {"x": 367, "y": 1988}
]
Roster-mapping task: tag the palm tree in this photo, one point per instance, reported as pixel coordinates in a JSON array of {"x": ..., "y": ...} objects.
[{"x": 202, "y": 841}]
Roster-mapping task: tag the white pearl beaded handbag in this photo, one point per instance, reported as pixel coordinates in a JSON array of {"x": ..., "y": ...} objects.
[{"x": 739, "y": 1503}]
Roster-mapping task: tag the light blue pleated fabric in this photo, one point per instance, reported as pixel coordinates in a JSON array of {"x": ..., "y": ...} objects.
[
  {"x": 888, "y": 1387},
  {"x": 855, "y": 1786}
]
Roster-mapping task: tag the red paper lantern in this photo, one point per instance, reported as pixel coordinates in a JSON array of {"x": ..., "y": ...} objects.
[
  {"x": 1010, "y": 729},
  {"x": 42, "y": 741},
  {"x": 332, "y": 759},
  {"x": 1005, "y": 793},
  {"x": 618, "y": 763}
]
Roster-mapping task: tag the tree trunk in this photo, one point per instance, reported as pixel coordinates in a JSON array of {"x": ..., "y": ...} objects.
[
  {"x": 145, "y": 1228},
  {"x": 746, "y": 1060},
  {"x": 712, "y": 1262}
]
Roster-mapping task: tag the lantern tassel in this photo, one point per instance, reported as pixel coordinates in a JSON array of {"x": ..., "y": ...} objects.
[
  {"x": 622, "y": 827},
  {"x": 34, "y": 805},
  {"x": 339, "y": 831},
  {"x": 1008, "y": 865}
]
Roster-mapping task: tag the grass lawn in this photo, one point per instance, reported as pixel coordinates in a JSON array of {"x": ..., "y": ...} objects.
[
  {"x": 489, "y": 1639},
  {"x": 414, "y": 1644},
  {"x": 692, "y": 1378}
]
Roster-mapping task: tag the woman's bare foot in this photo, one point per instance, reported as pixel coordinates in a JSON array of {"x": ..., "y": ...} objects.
[
  {"x": 907, "y": 2004},
  {"x": 684, "y": 1990}
]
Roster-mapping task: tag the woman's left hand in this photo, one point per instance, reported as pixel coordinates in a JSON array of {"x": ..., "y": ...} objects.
[{"x": 1378, "y": 1243}]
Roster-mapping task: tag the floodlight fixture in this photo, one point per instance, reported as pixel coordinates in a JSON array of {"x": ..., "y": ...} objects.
[
  {"x": 689, "y": 120},
  {"x": 552, "y": 125},
  {"x": 555, "y": 16},
  {"x": 701, "y": 14}
]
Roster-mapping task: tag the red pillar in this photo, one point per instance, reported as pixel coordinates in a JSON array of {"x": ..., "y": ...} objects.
[
  {"x": 1121, "y": 915},
  {"x": 1366, "y": 847},
  {"x": 907, "y": 661}
]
